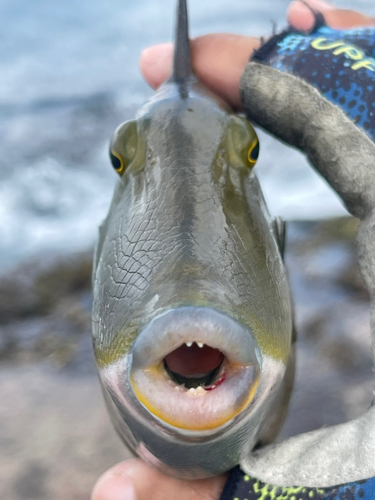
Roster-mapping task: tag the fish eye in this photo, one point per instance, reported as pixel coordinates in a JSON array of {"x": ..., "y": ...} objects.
[
  {"x": 123, "y": 146},
  {"x": 116, "y": 161},
  {"x": 244, "y": 143},
  {"x": 253, "y": 153}
]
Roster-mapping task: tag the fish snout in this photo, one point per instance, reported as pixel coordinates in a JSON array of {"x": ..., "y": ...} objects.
[{"x": 194, "y": 368}]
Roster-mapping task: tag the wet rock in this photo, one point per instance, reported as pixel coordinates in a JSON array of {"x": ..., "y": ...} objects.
[
  {"x": 61, "y": 280},
  {"x": 31, "y": 484},
  {"x": 36, "y": 287},
  {"x": 49, "y": 318}
]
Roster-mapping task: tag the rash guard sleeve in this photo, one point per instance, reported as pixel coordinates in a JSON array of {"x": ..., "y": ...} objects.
[{"x": 316, "y": 92}]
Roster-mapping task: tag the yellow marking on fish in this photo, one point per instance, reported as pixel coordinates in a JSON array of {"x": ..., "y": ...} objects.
[
  {"x": 108, "y": 354},
  {"x": 267, "y": 344}
]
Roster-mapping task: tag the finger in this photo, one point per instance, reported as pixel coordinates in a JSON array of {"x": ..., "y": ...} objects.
[
  {"x": 135, "y": 480},
  {"x": 156, "y": 64},
  {"x": 301, "y": 17},
  {"x": 218, "y": 60}
]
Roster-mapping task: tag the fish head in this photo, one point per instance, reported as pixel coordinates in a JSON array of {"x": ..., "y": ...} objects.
[{"x": 191, "y": 316}]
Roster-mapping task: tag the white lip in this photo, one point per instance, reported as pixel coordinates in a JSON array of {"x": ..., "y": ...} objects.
[{"x": 202, "y": 325}]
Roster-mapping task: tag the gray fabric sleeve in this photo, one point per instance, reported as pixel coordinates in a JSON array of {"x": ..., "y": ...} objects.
[{"x": 299, "y": 115}]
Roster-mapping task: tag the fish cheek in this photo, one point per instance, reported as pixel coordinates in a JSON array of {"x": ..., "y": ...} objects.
[
  {"x": 114, "y": 324},
  {"x": 115, "y": 350}
]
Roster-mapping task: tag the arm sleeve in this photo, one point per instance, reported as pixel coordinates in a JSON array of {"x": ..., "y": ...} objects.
[
  {"x": 337, "y": 462},
  {"x": 241, "y": 486},
  {"x": 339, "y": 63}
]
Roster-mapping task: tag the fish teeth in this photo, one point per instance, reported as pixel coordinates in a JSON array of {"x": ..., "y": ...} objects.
[
  {"x": 198, "y": 391},
  {"x": 200, "y": 344}
]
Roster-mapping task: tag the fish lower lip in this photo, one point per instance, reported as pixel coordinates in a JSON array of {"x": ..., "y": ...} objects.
[{"x": 196, "y": 408}]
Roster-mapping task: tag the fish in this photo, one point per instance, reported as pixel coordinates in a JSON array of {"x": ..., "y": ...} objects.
[{"x": 192, "y": 314}]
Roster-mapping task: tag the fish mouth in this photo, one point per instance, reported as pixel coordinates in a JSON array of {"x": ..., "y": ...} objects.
[
  {"x": 195, "y": 368},
  {"x": 194, "y": 365}
]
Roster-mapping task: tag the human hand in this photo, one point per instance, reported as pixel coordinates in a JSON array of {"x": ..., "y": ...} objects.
[
  {"x": 219, "y": 61},
  {"x": 135, "y": 480}
]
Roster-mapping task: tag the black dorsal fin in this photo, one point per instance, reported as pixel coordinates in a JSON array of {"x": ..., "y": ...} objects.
[{"x": 181, "y": 59}]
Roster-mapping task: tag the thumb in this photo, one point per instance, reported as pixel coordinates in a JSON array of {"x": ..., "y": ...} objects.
[{"x": 135, "y": 480}]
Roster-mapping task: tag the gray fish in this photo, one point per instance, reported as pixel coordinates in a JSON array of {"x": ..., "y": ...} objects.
[{"x": 192, "y": 319}]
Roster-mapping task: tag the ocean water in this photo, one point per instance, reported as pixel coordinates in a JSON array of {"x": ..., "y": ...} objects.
[{"x": 69, "y": 76}]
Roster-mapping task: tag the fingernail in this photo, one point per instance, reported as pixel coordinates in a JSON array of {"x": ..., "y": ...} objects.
[
  {"x": 114, "y": 488},
  {"x": 319, "y": 4}
]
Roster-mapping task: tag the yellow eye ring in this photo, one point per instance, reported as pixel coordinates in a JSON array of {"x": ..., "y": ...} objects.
[
  {"x": 253, "y": 152},
  {"x": 117, "y": 162}
]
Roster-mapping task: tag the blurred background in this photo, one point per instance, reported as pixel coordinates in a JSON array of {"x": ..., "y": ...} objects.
[{"x": 69, "y": 76}]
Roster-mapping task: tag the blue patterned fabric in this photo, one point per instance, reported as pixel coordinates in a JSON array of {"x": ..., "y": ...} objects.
[
  {"x": 240, "y": 486},
  {"x": 340, "y": 63}
]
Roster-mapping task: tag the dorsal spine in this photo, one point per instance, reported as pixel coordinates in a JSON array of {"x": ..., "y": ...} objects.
[{"x": 182, "y": 58}]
